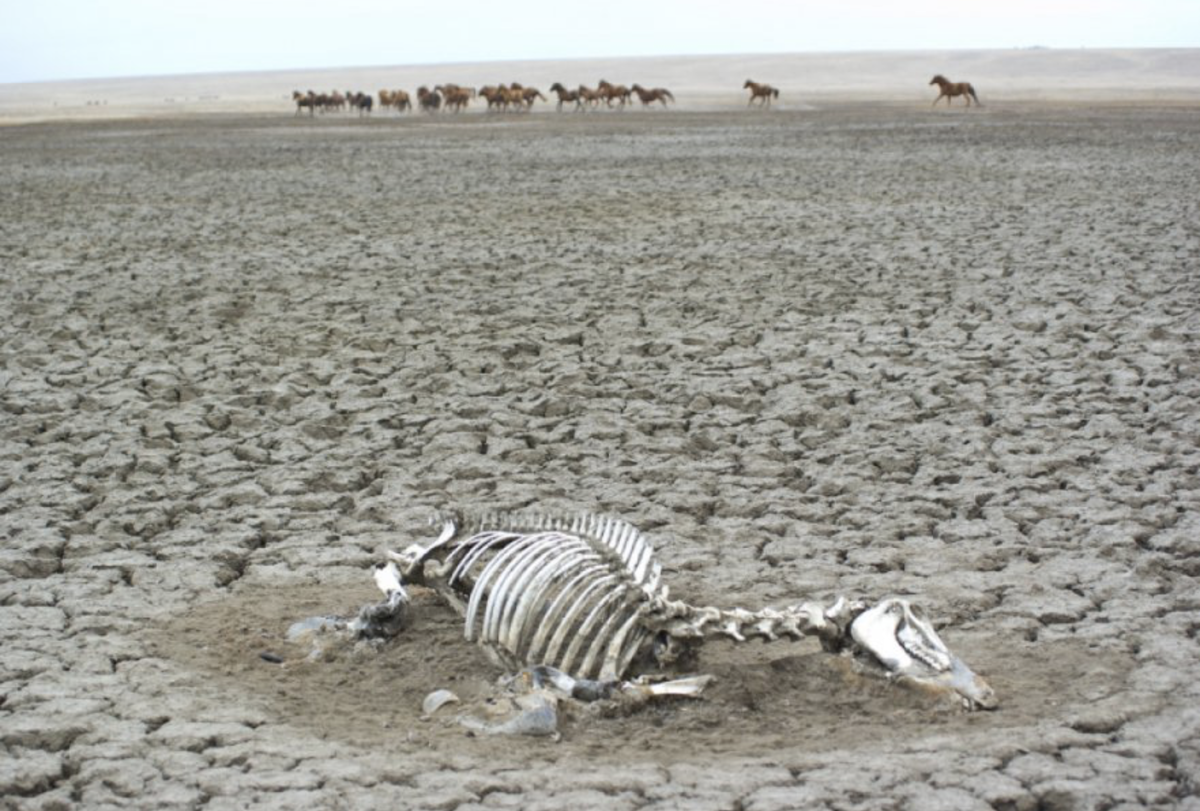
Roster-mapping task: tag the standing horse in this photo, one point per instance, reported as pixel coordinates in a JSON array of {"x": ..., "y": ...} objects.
[
  {"x": 648, "y": 97},
  {"x": 565, "y": 95},
  {"x": 951, "y": 89},
  {"x": 761, "y": 91}
]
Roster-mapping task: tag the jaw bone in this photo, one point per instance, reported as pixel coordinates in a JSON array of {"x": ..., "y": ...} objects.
[{"x": 908, "y": 648}]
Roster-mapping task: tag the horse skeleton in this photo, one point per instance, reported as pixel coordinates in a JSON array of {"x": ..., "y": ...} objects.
[{"x": 584, "y": 596}]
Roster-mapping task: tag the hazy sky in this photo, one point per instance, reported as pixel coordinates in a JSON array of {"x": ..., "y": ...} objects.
[{"x": 67, "y": 39}]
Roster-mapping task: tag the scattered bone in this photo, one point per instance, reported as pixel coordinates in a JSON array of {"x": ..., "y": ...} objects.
[
  {"x": 534, "y": 714},
  {"x": 436, "y": 700}
]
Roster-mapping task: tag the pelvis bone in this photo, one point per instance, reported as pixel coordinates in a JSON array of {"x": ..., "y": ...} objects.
[{"x": 585, "y": 596}]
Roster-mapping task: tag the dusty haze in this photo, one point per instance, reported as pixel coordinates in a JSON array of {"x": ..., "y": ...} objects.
[{"x": 699, "y": 82}]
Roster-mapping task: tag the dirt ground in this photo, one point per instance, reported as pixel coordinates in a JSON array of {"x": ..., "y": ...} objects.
[{"x": 856, "y": 350}]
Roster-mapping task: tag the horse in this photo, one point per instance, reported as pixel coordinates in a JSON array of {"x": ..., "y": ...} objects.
[
  {"x": 648, "y": 97},
  {"x": 529, "y": 95},
  {"x": 430, "y": 102},
  {"x": 565, "y": 95},
  {"x": 303, "y": 100},
  {"x": 401, "y": 101},
  {"x": 496, "y": 97},
  {"x": 951, "y": 89},
  {"x": 363, "y": 102},
  {"x": 609, "y": 92},
  {"x": 592, "y": 97},
  {"x": 456, "y": 98},
  {"x": 761, "y": 91}
]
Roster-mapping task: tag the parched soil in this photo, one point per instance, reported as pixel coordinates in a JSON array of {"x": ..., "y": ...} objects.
[{"x": 863, "y": 351}]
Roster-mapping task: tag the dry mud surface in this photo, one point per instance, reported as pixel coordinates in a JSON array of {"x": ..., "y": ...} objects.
[{"x": 853, "y": 351}]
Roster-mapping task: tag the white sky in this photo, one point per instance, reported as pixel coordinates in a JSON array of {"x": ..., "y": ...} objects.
[{"x": 69, "y": 39}]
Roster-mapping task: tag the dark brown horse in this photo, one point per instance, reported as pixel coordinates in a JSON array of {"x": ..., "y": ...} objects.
[
  {"x": 363, "y": 102},
  {"x": 565, "y": 96},
  {"x": 648, "y": 97},
  {"x": 429, "y": 101},
  {"x": 303, "y": 100},
  {"x": 761, "y": 91},
  {"x": 951, "y": 89}
]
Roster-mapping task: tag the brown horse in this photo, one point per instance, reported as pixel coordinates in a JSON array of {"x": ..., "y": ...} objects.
[
  {"x": 303, "y": 100},
  {"x": 496, "y": 96},
  {"x": 395, "y": 98},
  {"x": 761, "y": 91},
  {"x": 456, "y": 97},
  {"x": 591, "y": 97},
  {"x": 648, "y": 97},
  {"x": 529, "y": 95},
  {"x": 613, "y": 92},
  {"x": 565, "y": 95},
  {"x": 951, "y": 89}
]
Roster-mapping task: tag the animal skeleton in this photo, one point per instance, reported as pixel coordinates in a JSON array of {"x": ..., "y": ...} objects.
[{"x": 585, "y": 596}]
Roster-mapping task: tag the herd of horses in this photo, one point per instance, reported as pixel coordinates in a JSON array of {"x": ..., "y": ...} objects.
[{"x": 516, "y": 97}]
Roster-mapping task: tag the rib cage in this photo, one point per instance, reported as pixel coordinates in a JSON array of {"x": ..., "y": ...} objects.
[{"x": 543, "y": 590}]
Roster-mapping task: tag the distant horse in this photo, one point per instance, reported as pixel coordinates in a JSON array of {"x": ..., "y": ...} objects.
[
  {"x": 529, "y": 95},
  {"x": 454, "y": 97},
  {"x": 648, "y": 97},
  {"x": 363, "y": 102},
  {"x": 430, "y": 102},
  {"x": 394, "y": 98},
  {"x": 951, "y": 89},
  {"x": 613, "y": 92},
  {"x": 761, "y": 91},
  {"x": 303, "y": 100},
  {"x": 497, "y": 96},
  {"x": 592, "y": 97},
  {"x": 457, "y": 98},
  {"x": 565, "y": 95}
]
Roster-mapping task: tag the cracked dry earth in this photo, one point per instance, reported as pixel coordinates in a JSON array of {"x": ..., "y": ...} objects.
[{"x": 852, "y": 351}]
